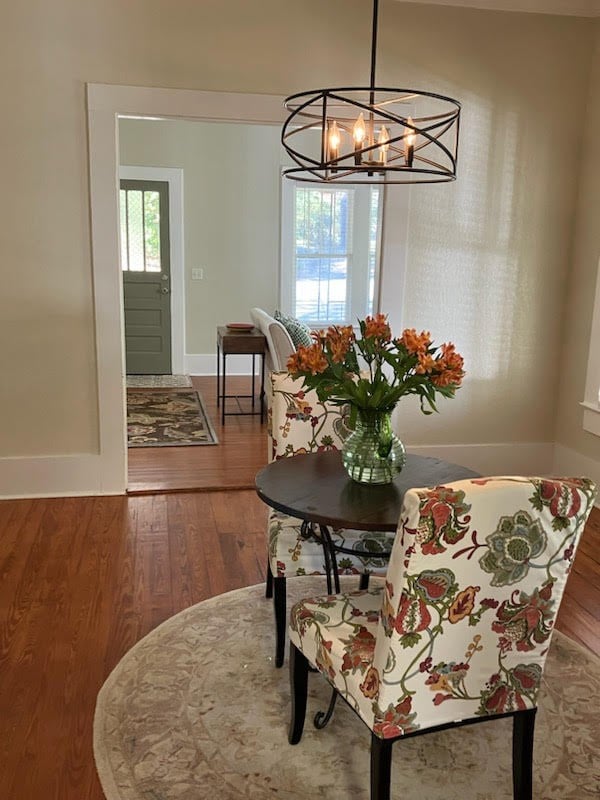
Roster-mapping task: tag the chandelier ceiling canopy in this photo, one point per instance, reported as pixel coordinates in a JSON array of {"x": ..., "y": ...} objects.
[{"x": 371, "y": 134}]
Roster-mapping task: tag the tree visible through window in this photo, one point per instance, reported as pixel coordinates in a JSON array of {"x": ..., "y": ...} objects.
[{"x": 330, "y": 252}]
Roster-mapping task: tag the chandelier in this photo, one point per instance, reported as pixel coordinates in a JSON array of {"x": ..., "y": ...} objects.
[{"x": 371, "y": 134}]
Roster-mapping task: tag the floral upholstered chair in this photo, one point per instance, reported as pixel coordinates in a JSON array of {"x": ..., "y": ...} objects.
[
  {"x": 460, "y": 631},
  {"x": 299, "y": 423}
]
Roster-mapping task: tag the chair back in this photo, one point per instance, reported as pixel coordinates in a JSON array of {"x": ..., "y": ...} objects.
[
  {"x": 473, "y": 587},
  {"x": 297, "y": 421},
  {"x": 279, "y": 343}
]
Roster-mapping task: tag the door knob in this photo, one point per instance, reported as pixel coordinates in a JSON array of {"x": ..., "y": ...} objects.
[{"x": 165, "y": 290}]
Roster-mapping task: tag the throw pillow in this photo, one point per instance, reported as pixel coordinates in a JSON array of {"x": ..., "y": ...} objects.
[{"x": 298, "y": 331}]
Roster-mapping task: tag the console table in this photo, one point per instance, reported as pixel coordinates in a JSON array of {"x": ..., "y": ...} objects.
[{"x": 230, "y": 342}]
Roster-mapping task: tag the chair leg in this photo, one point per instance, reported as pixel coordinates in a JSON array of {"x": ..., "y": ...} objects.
[
  {"x": 364, "y": 580},
  {"x": 269, "y": 581},
  {"x": 381, "y": 767},
  {"x": 299, "y": 691},
  {"x": 523, "y": 729},
  {"x": 279, "y": 591}
]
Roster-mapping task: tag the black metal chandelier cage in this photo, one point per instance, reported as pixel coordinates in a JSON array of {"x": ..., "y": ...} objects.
[{"x": 371, "y": 134}]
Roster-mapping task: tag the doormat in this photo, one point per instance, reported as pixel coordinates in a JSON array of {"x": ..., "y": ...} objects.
[
  {"x": 167, "y": 419},
  {"x": 158, "y": 381}
]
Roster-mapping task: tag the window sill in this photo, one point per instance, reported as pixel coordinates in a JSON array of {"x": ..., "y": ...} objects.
[{"x": 591, "y": 417}]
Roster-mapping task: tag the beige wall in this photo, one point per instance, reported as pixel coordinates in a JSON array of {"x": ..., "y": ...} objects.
[
  {"x": 581, "y": 285},
  {"x": 231, "y": 180},
  {"x": 488, "y": 256}
]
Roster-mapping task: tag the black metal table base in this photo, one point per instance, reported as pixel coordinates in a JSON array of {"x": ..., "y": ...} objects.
[{"x": 332, "y": 575}]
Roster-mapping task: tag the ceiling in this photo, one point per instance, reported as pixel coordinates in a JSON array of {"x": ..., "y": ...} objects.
[{"x": 573, "y": 8}]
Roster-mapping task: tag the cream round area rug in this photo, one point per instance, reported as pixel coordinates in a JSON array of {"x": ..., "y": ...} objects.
[{"x": 197, "y": 710}]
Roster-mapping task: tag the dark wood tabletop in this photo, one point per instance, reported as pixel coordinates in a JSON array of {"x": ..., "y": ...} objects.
[
  {"x": 240, "y": 342},
  {"x": 316, "y": 487}
]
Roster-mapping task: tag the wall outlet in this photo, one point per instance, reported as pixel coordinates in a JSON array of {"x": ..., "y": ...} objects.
[{"x": 197, "y": 274}]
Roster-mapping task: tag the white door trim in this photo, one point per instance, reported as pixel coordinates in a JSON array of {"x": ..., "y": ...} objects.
[
  {"x": 105, "y": 104},
  {"x": 174, "y": 177}
]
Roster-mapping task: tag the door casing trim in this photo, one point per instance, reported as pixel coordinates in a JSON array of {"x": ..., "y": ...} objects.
[{"x": 105, "y": 104}]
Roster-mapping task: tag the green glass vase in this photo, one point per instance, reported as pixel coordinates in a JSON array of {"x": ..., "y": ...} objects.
[{"x": 373, "y": 453}]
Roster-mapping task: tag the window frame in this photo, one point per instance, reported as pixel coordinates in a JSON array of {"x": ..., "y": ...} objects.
[{"x": 355, "y": 296}]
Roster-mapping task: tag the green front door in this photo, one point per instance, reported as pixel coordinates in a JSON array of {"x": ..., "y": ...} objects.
[{"x": 146, "y": 276}]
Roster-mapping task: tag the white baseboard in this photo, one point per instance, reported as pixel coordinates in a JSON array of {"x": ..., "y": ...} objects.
[
  {"x": 89, "y": 474},
  {"x": 570, "y": 463},
  {"x": 496, "y": 458},
  {"x": 206, "y": 364},
  {"x": 76, "y": 475}
]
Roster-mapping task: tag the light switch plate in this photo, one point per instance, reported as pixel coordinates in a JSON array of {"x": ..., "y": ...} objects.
[{"x": 197, "y": 274}]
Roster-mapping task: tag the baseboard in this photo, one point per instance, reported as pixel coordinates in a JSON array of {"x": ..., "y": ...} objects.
[
  {"x": 511, "y": 458},
  {"x": 206, "y": 364},
  {"x": 89, "y": 474},
  {"x": 59, "y": 476},
  {"x": 569, "y": 462}
]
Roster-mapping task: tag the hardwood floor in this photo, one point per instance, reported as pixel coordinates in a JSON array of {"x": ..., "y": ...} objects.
[
  {"x": 232, "y": 464},
  {"x": 83, "y": 579}
]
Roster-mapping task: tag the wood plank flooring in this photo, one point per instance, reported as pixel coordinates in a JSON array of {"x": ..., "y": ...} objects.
[
  {"x": 83, "y": 579},
  {"x": 232, "y": 464}
]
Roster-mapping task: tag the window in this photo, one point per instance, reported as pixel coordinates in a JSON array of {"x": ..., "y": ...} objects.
[
  {"x": 330, "y": 252},
  {"x": 140, "y": 230}
]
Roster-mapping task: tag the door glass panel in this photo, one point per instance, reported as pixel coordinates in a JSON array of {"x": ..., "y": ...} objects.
[
  {"x": 152, "y": 230},
  {"x": 135, "y": 225},
  {"x": 123, "y": 207},
  {"x": 140, "y": 230}
]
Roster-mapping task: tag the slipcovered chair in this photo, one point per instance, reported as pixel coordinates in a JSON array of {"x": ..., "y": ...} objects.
[
  {"x": 299, "y": 423},
  {"x": 279, "y": 343},
  {"x": 460, "y": 631}
]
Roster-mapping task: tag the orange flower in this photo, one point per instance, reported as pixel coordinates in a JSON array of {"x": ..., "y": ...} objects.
[
  {"x": 426, "y": 364},
  {"x": 449, "y": 366},
  {"x": 339, "y": 341},
  {"x": 415, "y": 343},
  {"x": 377, "y": 327},
  {"x": 308, "y": 359}
]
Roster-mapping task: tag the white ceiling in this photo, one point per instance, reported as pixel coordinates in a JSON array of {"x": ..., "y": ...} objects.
[{"x": 573, "y": 8}]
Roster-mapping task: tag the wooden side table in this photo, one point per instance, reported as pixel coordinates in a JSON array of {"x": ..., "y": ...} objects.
[{"x": 231, "y": 342}]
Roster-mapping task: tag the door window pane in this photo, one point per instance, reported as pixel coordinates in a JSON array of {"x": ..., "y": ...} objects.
[
  {"x": 140, "y": 230},
  {"x": 152, "y": 230},
  {"x": 135, "y": 230}
]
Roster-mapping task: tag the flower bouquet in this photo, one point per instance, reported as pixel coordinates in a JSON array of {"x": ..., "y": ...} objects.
[{"x": 370, "y": 372}]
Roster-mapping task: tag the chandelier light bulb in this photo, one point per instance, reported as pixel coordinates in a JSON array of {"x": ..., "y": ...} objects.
[
  {"x": 334, "y": 140},
  {"x": 410, "y": 137},
  {"x": 359, "y": 131},
  {"x": 383, "y": 141}
]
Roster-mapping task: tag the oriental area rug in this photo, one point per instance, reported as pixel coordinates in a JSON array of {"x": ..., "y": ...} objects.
[
  {"x": 197, "y": 710},
  {"x": 164, "y": 418}
]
